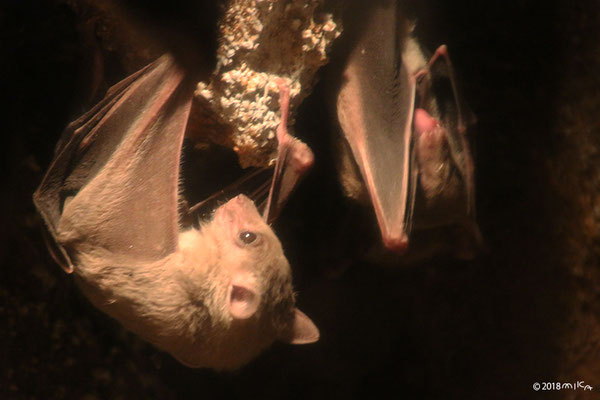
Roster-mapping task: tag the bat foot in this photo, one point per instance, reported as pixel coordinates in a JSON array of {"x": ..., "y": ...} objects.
[
  {"x": 302, "y": 157},
  {"x": 294, "y": 159}
]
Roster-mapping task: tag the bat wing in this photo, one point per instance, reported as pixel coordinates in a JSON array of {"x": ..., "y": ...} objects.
[
  {"x": 456, "y": 116},
  {"x": 375, "y": 108},
  {"x": 443, "y": 156},
  {"x": 114, "y": 178},
  {"x": 294, "y": 159},
  {"x": 269, "y": 188},
  {"x": 446, "y": 171}
]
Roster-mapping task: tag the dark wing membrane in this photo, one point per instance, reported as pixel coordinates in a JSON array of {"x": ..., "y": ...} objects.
[
  {"x": 116, "y": 170},
  {"x": 375, "y": 109}
]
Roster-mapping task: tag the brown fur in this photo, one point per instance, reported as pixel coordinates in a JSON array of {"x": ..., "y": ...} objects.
[{"x": 180, "y": 303}]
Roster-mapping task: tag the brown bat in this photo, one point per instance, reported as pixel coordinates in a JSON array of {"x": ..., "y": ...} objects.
[
  {"x": 211, "y": 297},
  {"x": 405, "y": 124}
]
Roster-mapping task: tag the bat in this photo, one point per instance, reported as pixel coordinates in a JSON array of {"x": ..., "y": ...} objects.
[
  {"x": 294, "y": 159},
  {"x": 212, "y": 297},
  {"x": 405, "y": 124}
]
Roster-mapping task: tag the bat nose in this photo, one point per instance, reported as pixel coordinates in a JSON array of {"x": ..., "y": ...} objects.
[
  {"x": 242, "y": 206},
  {"x": 242, "y": 201}
]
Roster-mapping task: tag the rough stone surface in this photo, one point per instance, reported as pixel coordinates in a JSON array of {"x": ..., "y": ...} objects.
[{"x": 261, "y": 42}]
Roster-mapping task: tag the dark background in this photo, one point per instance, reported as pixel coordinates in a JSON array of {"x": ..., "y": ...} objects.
[{"x": 526, "y": 310}]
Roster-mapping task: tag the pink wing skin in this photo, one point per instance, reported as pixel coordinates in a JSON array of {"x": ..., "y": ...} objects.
[
  {"x": 375, "y": 109},
  {"x": 114, "y": 180},
  {"x": 294, "y": 159}
]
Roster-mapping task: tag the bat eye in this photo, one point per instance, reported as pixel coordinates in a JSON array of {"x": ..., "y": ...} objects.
[{"x": 247, "y": 237}]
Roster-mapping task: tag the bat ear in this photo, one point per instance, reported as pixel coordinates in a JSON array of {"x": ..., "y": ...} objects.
[
  {"x": 304, "y": 330},
  {"x": 243, "y": 297}
]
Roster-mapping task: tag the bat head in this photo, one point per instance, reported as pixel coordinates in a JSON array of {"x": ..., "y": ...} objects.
[{"x": 259, "y": 298}]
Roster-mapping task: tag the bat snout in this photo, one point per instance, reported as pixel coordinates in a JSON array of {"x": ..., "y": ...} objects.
[
  {"x": 238, "y": 209},
  {"x": 242, "y": 203}
]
